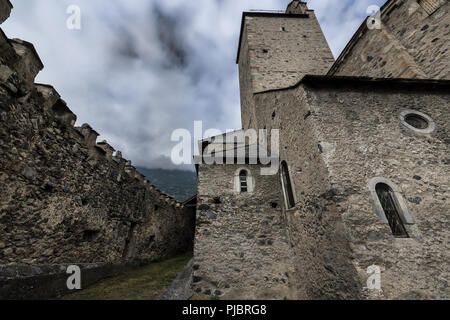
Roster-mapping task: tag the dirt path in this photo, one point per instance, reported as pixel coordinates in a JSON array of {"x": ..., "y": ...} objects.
[{"x": 145, "y": 283}]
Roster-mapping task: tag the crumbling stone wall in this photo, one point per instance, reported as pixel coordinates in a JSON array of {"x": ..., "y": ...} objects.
[
  {"x": 65, "y": 198},
  {"x": 276, "y": 50},
  {"x": 412, "y": 43},
  {"x": 337, "y": 134},
  {"x": 241, "y": 244}
]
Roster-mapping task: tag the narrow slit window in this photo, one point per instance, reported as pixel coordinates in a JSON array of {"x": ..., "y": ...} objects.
[
  {"x": 387, "y": 199},
  {"x": 243, "y": 181},
  {"x": 287, "y": 187}
]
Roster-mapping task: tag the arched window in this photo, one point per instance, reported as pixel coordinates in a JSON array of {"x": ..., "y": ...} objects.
[
  {"x": 390, "y": 206},
  {"x": 243, "y": 181},
  {"x": 287, "y": 187},
  {"x": 388, "y": 201}
]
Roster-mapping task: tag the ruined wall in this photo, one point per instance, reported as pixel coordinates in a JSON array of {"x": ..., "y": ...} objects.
[
  {"x": 321, "y": 255},
  {"x": 241, "y": 246},
  {"x": 275, "y": 51},
  {"x": 65, "y": 198},
  {"x": 412, "y": 43},
  {"x": 360, "y": 143}
]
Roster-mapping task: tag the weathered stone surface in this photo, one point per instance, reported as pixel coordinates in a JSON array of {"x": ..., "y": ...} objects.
[
  {"x": 335, "y": 232},
  {"x": 411, "y": 43},
  {"x": 68, "y": 203},
  {"x": 61, "y": 200},
  {"x": 337, "y": 134},
  {"x": 241, "y": 249},
  {"x": 5, "y": 10},
  {"x": 276, "y": 50}
]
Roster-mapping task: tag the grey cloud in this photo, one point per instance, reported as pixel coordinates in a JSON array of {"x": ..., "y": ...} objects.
[{"x": 140, "y": 69}]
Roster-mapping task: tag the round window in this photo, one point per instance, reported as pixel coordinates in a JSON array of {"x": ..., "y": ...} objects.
[{"x": 417, "y": 121}]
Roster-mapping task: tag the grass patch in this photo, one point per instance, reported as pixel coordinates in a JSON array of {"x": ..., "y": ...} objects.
[{"x": 145, "y": 283}]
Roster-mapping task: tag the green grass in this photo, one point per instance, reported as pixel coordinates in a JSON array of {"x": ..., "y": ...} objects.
[{"x": 145, "y": 283}]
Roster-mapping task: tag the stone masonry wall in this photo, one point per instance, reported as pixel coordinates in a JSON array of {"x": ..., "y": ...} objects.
[
  {"x": 362, "y": 138},
  {"x": 241, "y": 244},
  {"x": 410, "y": 44},
  {"x": 338, "y": 135},
  {"x": 65, "y": 198},
  {"x": 276, "y": 51},
  {"x": 321, "y": 255}
]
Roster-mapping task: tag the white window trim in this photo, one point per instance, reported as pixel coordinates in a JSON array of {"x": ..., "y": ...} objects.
[{"x": 431, "y": 123}]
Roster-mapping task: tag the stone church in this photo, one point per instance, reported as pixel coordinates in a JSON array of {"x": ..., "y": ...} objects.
[{"x": 359, "y": 208}]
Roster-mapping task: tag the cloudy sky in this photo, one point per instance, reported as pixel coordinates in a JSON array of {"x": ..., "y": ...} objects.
[{"x": 138, "y": 69}]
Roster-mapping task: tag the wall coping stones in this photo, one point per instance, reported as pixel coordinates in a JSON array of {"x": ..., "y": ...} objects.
[{"x": 30, "y": 47}]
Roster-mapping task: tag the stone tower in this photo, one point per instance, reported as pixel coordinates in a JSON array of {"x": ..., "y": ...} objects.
[
  {"x": 275, "y": 50},
  {"x": 362, "y": 188}
]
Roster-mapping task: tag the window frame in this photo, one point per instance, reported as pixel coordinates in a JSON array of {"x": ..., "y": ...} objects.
[
  {"x": 431, "y": 124},
  {"x": 250, "y": 181},
  {"x": 405, "y": 214},
  {"x": 243, "y": 179},
  {"x": 288, "y": 204}
]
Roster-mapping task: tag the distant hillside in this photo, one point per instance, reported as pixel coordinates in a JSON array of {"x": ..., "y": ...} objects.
[{"x": 181, "y": 185}]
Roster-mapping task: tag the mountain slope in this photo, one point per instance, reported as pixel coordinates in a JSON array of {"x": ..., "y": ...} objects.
[{"x": 181, "y": 185}]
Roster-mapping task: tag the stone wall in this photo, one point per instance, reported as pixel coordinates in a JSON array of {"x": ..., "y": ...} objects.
[
  {"x": 275, "y": 51},
  {"x": 65, "y": 198},
  {"x": 411, "y": 43},
  {"x": 321, "y": 255},
  {"x": 241, "y": 244},
  {"x": 361, "y": 143},
  {"x": 351, "y": 132},
  {"x": 37, "y": 282}
]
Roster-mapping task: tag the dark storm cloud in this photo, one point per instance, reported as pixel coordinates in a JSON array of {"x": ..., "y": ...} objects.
[
  {"x": 170, "y": 35},
  {"x": 127, "y": 45},
  {"x": 137, "y": 70}
]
